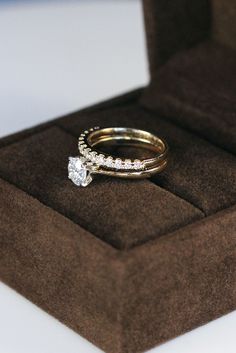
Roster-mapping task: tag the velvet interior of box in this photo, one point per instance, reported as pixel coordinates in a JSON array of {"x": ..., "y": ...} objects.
[{"x": 130, "y": 264}]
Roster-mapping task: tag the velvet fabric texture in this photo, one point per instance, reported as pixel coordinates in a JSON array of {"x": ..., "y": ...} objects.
[
  {"x": 196, "y": 90},
  {"x": 130, "y": 264},
  {"x": 151, "y": 240}
]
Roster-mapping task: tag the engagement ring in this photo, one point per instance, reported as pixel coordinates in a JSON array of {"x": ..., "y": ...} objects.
[{"x": 92, "y": 160}]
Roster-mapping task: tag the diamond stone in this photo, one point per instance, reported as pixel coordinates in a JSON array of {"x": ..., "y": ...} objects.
[
  {"x": 81, "y": 148},
  {"x": 118, "y": 163},
  {"x": 100, "y": 159},
  {"x": 86, "y": 152},
  {"x": 77, "y": 172},
  {"x": 128, "y": 164},
  {"x": 93, "y": 156},
  {"x": 109, "y": 162},
  {"x": 137, "y": 164}
]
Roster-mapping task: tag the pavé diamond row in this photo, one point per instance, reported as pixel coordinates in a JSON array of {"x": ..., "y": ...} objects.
[{"x": 102, "y": 160}]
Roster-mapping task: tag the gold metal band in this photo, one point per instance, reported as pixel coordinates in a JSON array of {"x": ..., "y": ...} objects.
[{"x": 90, "y": 141}]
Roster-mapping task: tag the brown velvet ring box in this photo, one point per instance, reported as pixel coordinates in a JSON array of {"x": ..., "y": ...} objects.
[{"x": 130, "y": 264}]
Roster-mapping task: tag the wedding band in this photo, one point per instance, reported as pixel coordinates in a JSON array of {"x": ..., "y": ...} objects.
[{"x": 92, "y": 161}]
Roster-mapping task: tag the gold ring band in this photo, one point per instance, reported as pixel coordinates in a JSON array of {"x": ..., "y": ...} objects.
[{"x": 92, "y": 161}]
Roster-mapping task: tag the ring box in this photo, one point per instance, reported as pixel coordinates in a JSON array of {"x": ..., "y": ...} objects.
[{"x": 131, "y": 264}]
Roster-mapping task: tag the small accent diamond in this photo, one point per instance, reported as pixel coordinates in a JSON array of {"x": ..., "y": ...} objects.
[
  {"x": 81, "y": 148},
  {"x": 118, "y": 163},
  {"x": 109, "y": 162},
  {"x": 93, "y": 156},
  {"x": 100, "y": 159},
  {"x": 86, "y": 152},
  {"x": 128, "y": 164},
  {"x": 137, "y": 164}
]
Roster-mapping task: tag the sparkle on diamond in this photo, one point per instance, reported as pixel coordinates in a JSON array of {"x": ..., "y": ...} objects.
[{"x": 77, "y": 171}]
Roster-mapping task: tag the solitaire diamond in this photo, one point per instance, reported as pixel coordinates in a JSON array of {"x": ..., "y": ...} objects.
[{"x": 78, "y": 172}]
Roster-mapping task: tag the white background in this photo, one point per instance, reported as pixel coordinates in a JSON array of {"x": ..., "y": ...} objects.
[{"x": 56, "y": 57}]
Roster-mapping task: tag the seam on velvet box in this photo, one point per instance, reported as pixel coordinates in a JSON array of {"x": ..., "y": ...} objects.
[
  {"x": 170, "y": 233},
  {"x": 54, "y": 210},
  {"x": 165, "y": 117},
  {"x": 181, "y": 197},
  {"x": 78, "y": 224}
]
